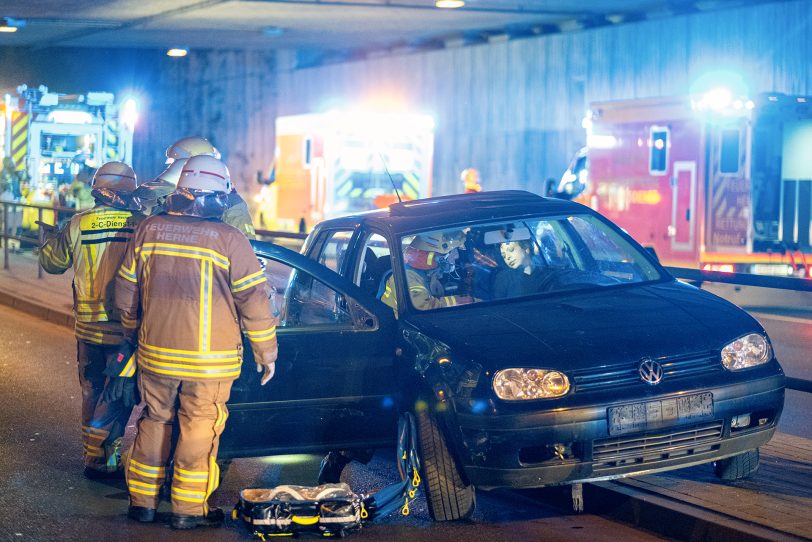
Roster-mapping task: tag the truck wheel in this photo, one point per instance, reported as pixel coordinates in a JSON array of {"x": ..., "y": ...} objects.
[
  {"x": 737, "y": 467},
  {"x": 449, "y": 498}
]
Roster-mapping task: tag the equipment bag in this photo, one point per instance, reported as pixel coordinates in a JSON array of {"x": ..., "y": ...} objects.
[{"x": 331, "y": 509}]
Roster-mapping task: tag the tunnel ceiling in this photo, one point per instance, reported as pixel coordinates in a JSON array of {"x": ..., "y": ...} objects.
[{"x": 318, "y": 25}]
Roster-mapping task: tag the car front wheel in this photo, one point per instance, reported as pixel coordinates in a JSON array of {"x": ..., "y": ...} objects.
[
  {"x": 449, "y": 497},
  {"x": 737, "y": 467}
]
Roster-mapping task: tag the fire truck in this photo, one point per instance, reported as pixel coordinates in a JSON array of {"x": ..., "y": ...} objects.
[
  {"x": 335, "y": 163},
  {"x": 718, "y": 182},
  {"x": 51, "y": 136}
]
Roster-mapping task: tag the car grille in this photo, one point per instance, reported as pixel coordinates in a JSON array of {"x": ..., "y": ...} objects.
[
  {"x": 627, "y": 374},
  {"x": 654, "y": 446}
]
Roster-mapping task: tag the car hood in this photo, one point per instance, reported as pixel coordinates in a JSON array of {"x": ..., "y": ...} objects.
[{"x": 590, "y": 328}]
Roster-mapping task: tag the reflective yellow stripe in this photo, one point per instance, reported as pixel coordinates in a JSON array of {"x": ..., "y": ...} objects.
[
  {"x": 214, "y": 477},
  {"x": 213, "y": 354},
  {"x": 190, "y": 480},
  {"x": 124, "y": 275},
  {"x": 157, "y": 470},
  {"x": 181, "y": 251},
  {"x": 188, "y": 493},
  {"x": 136, "y": 470},
  {"x": 251, "y": 284},
  {"x": 143, "y": 491},
  {"x": 143, "y": 485},
  {"x": 240, "y": 282},
  {"x": 192, "y": 374},
  {"x": 261, "y": 336},
  {"x": 199, "y": 360},
  {"x": 222, "y": 415},
  {"x": 129, "y": 369},
  {"x": 192, "y": 472}
]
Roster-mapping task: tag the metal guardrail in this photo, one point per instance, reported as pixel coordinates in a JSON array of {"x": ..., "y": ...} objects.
[
  {"x": 697, "y": 277},
  {"x": 12, "y": 210}
]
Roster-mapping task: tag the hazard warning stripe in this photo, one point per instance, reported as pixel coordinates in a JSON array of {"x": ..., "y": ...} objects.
[{"x": 19, "y": 138}]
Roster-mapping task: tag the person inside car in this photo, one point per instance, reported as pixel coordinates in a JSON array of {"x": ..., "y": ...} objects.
[
  {"x": 429, "y": 258},
  {"x": 523, "y": 274}
]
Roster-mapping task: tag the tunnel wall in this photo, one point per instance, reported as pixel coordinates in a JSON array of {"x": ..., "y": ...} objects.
[{"x": 514, "y": 109}]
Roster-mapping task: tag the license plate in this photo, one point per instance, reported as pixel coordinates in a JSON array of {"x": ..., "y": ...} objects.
[{"x": 641, "y": 416}]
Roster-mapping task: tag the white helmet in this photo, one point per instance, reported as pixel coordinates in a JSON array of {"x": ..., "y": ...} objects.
[
  {"x": 114, "y": 184},
  {"x": 115, "y": 176},
  {"x": 163, "y": 184},
  {"x": 190, "y": 146},
  {"x": 205, "y": 173}
]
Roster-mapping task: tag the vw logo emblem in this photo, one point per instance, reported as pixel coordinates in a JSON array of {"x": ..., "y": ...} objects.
[{"x": 651, "y": 372}]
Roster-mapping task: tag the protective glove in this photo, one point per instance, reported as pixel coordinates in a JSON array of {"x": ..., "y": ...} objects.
[
  {"x": 268, "y": 365},
  {"x": 120, "y": 388}
]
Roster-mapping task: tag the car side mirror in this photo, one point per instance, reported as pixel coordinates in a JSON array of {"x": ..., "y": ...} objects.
[{"x": 652, "y": 253}]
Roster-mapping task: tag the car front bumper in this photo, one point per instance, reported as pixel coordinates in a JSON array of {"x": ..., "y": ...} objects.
[{"x": 560, "y": 446}]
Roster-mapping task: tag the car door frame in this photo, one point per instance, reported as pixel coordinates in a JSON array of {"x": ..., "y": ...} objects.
[{"x": 379, "y": 332}]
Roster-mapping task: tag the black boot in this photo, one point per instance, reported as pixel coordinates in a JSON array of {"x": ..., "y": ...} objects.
[
  {"x": 93, "y": 474},
  {"x": 331, "y": 467},
  {"x": 139, "y": 513},
  {"x": 214, "y": 518}
]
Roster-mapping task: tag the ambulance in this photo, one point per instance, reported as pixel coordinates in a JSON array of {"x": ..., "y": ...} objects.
[{"x": 718, "y": 182}]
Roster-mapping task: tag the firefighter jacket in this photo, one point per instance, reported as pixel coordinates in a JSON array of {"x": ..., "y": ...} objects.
[
  {"x": 187, "y": 285},
  {"x": 93, "y": 243},
  {"x": 420, "y": 294}
]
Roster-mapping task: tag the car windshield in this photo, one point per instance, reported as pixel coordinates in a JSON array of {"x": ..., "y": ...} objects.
[{"x": 518, "y": 258}]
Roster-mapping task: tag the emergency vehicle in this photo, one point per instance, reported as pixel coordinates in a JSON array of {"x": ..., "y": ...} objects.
[
  {"x": 719, "y": 182},
  {"x": 51, "y": 136},
  {"x": 337, "y": 163}
]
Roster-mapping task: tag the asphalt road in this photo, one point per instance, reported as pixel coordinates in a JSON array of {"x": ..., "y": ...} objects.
[{"x": 44, "y": 497}]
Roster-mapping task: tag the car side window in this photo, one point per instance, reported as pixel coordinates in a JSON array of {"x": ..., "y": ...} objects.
[
  {"x": 334, "y": 248},
  {"x": 297, "y": 299},
  {"x": 374, "y": 264}
]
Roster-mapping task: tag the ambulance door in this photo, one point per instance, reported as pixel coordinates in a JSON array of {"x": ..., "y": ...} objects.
[{"x": 683, "y": 206}]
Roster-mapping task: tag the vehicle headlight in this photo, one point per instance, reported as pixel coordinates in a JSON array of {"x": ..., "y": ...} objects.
[
  {"x": 526, "y": 384},
  {"x": 746, "y": 352}
]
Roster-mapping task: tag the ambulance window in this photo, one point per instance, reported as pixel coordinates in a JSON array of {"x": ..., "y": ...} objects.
[
  {"x": 729, "y": 153},
  {"x": 307, "y": 152},
  {"x": 659, "y": 143}
]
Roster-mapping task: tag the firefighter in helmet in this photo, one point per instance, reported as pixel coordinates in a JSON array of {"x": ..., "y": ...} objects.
[
  {"x": 429, "y": 258},
  {"x": 470, "y": 181},
  {"x": 188, "y": 284},
  {"x": 93, "y": 243},
  {"x": 154, "y": 192}
]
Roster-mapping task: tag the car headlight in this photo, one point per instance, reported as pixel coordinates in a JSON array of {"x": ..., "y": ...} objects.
[
  {"x": 526, "y": 384},
  {"x": 745, "y": 352}
]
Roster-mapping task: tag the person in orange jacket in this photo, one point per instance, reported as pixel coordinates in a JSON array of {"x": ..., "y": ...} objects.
[{"x": 188, "y": 285}]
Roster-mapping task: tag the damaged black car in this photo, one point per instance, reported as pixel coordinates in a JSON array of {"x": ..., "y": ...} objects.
[{"x": 536, "y": 343}]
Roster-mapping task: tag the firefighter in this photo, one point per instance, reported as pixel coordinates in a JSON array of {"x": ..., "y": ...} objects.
[
  {"x": 93, "y": 243},
  {"x": 470, "y": 181},
  {"x": 153, "y": 192},
  {"x": 188, "y": 284},
  {"x": 428, "y": 258}
]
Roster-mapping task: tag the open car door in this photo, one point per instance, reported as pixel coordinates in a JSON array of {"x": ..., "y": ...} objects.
[{"x": 335, "y": 385}]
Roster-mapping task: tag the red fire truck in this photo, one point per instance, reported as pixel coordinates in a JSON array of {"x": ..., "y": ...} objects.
[{"x": 720, "y": 182}]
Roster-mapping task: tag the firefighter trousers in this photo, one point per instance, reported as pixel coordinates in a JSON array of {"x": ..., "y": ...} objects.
[
  {"x": 103, "y": 423},
  {"x": 200, "y": 410}
]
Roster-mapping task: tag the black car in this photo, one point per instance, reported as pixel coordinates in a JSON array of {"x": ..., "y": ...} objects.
[{"x": 535, "y": 342}]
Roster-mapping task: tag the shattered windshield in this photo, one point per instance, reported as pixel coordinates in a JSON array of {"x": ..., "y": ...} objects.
[{"x": 518, "y": 258}]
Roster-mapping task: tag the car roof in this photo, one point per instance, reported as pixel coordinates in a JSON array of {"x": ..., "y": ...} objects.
[{"x": 456, "y": 209}]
